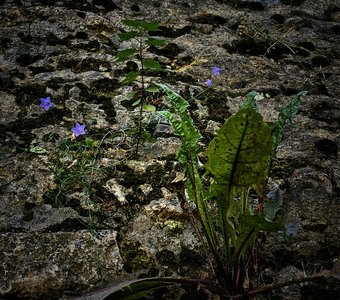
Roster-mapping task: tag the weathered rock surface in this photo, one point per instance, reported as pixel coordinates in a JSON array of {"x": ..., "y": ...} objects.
[
  {"x": 41, "y": 265},
  {"x": 76, "y": 214}
]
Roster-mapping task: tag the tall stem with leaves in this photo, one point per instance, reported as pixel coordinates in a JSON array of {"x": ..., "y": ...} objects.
[{"x": 140, "y": 33}]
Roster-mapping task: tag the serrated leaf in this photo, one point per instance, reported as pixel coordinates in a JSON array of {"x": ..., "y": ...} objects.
[
  {"x": 149, "y": 26},
  {"x": 285, "y": 117},
  {"x": 130, "y": 77},
  {"x": 187, "y": 157},
  {"x": 156, "y": 42},
  {"x": 125, "y": 36},
  {"x": 148, "y": 107},
  {"x": 179, "y": 103},
  {"x": 125, "y": 54},
  {"x": 152, "y": 64}
]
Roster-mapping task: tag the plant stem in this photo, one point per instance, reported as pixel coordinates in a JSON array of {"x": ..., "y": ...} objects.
[
  {"x": 205, "y": 219},
  {"x": 140, "y": 129}
]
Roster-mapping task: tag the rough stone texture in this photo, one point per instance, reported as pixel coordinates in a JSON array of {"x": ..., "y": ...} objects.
[
  {"x": 48, "y": 263},
  {"x": 63, "y": 204}
]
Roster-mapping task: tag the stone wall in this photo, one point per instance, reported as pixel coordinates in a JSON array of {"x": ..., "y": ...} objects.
[{"x": 69, "y": 227}]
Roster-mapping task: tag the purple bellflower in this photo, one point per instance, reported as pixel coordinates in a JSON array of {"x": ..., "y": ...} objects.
[
  {"x": 78, "y": 129},
  {"x": 209, "y": 82},
  {"x": 216, "y": 71},
  {"x": 46, "y": 103}
]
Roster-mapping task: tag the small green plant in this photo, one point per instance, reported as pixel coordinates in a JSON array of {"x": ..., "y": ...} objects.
[
  {"x": 74, "y": 165},
  {"x": 140, "y": 34}
]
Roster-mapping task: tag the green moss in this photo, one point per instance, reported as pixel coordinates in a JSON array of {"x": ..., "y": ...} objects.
[{"x": 173, "y": 228}]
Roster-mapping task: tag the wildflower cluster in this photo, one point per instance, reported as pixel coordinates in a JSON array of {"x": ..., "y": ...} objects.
[
  {"x": 79, "y": 129},
  {"x": 216, "y": 72}
]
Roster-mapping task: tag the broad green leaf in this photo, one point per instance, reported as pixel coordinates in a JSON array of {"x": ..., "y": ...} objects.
[
  {"x": 125, "y": 36},
  {"x": 130, "y": 77},
  {"x": 156, "y": 42},
  {"x": 152, "y": 64},
  {"x": 125, "y": 54},
  {"x": 148, "y": 107},
  {"x": 238, "y": 159},
  {"x": 238, "y": 156},
  {"x": 149, "y": 26}
]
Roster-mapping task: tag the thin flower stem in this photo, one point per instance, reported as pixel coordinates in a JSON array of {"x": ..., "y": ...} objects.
[{"x": 140, "y": 129}]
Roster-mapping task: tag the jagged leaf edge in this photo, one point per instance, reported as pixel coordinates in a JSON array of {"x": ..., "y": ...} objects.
[
  {"x": 190, "y": 136},
  {"x": 285, "y": 116},
  {"x": 183, "y": 125}
]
